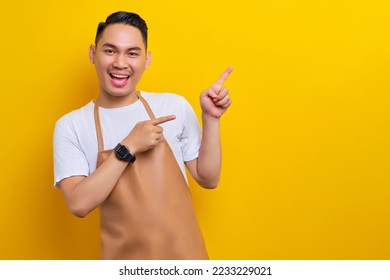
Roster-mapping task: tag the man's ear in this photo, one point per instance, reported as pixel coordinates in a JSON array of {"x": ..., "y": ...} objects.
[
  {"x": 92, "y": 50},
  {"x": 148, "y": 59}
]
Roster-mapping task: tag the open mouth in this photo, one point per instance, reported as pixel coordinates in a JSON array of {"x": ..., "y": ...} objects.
[{"x": 119, "y": 80}]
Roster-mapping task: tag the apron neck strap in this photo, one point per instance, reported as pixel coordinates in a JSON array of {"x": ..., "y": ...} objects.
[
  {"x": 99, "y": 134},
  {"x": 146, "y": 105}
]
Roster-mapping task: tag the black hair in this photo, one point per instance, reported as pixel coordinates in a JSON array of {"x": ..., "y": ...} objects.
[{"x": 128, "y": 18}]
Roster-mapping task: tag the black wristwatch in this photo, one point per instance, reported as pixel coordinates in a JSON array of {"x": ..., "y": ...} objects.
[{"x": 122, "y": 152}]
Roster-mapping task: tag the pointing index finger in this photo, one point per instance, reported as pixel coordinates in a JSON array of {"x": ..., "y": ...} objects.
[
  {"x": 163, "y": 119},
  {"x": 224, "y": 76}
]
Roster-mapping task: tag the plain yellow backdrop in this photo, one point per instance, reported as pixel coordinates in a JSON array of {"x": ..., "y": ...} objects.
[{"x": 306, "y": 140}]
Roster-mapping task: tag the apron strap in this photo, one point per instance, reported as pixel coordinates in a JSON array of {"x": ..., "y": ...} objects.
[
  {"x": 146, "y": 105},
  {"x": 98, "y": 127},
  {"x": 99, "y": 134}
]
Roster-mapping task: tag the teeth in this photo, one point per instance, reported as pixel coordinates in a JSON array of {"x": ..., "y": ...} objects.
[{"x": 119, "y": 76}]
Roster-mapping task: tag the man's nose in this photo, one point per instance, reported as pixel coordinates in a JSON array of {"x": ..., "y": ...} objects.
[{"x": 120, "y": 61}]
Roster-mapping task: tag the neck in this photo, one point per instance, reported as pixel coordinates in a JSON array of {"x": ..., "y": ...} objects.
[{"x": 109, "y": 101}]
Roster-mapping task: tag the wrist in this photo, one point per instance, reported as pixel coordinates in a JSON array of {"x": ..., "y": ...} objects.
[
  {"x": 209, "y": 118},
  {"x": 128, "y": 141},
  {"x": 210, "y": 123}
]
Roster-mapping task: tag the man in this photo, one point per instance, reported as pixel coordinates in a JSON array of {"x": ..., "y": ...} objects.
[{"x": 143, "y": 215}]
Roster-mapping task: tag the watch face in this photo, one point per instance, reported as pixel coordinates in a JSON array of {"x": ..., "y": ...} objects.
[{"x": 122, "y": 152}]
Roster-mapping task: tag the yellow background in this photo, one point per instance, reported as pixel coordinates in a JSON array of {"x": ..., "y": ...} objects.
[{"x": 306, "y": 141}]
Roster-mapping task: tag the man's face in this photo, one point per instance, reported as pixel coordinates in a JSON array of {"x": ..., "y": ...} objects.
[{"x": 120, "y": 59}]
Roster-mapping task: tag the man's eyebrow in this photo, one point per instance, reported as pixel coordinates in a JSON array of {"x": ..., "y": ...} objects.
[
  {"x": 109, "y": 45},
  {"x": 134, "y": 49},
  {"x": 115, "y": 47}
]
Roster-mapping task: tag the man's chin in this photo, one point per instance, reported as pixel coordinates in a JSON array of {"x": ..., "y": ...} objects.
[{"x": 118, "y": 93}]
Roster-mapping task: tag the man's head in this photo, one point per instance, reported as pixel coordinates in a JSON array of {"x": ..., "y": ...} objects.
[
  {"x": 131, "y": 19},
  {"x": 120, "y": 55}
]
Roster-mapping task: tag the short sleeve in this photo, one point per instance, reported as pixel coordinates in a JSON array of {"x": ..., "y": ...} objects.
[
  {"x": 69, "y": 159},
  {"x": 191, "y": 137}
]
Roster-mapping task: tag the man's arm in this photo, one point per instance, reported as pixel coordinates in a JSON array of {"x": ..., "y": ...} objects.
[
  {"x": 83, "y": 194},
  {"x": 214, "y": 102}
]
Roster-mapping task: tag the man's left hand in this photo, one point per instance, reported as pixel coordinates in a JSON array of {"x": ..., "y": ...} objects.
[{"x": 216, "y": 100}]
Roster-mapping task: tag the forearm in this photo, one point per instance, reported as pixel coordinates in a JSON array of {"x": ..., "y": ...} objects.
[
  {"x": 84, "y": 194},
  {"x": 210, "y": 157}
]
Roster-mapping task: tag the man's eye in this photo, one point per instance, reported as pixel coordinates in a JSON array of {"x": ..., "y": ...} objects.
[
  {"x": 109, "y": 51},
  {"x": 133, "y": 54}
]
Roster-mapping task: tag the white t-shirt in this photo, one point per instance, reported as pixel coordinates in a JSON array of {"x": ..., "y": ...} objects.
[{"x": 75, "y": 141}]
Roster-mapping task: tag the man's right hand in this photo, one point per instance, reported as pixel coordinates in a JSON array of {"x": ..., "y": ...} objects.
[{"x": 146, "y": 134}]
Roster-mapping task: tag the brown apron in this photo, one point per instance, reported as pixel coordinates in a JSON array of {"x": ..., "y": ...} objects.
[{"x": 149, "y": 213}]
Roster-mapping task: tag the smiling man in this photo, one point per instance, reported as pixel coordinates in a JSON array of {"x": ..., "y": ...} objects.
[{"x": 126, "y": 153}]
